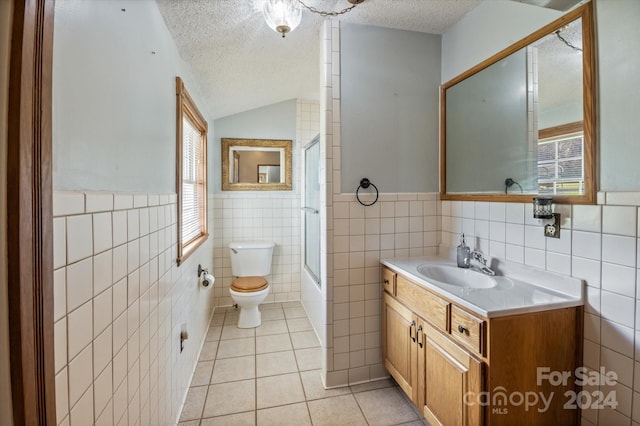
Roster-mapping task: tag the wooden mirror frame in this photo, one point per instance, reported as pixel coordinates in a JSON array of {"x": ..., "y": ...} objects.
[
  {"x": 228, "y": 143},
  {"x": 589, "y": 112}
]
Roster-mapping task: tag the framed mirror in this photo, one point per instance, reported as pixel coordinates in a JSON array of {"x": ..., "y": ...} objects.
[
  {"x": 256, "y": 164},
  {"x": 522, "y": 123}
]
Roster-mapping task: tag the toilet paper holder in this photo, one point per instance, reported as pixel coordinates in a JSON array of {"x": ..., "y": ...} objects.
[
  {"x": 207, "y": 279},
  {"x": 201, "y": 271}
]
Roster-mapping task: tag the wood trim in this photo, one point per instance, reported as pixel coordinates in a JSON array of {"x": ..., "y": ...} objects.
[
  {"x": 29, "y": 220},
  {"x": 287, "y": 144},
  {"x": 561, "y": 130},
  {"x": 186, "y": 106},
  {"x": 589, "y": 111}
]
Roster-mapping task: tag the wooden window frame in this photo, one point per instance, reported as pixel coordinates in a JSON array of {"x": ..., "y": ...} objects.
[{"x": 185, "y": 106}]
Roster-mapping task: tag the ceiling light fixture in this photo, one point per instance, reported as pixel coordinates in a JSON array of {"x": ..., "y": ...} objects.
[{"x": 283, "y": 16}]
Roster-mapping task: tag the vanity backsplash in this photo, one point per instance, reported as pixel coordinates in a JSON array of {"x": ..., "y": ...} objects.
[{"x": 599, "y": 244}]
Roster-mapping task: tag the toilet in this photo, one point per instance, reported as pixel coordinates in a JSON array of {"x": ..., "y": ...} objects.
[{"x": 250, "y": 264}]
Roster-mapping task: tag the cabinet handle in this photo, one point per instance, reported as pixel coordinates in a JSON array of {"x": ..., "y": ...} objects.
[
  {"x": 462, "y": 329},
  {"x": 420, "y": 338},
  {"x": 386, "y": 281},
  {"x": 413, "y": 337}
]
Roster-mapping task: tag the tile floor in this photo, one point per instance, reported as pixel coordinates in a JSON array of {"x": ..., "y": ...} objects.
[{"x": 270, "y": 375}]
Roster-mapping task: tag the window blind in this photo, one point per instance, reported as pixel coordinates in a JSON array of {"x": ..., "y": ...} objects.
[{"x": 193, "y": 182}]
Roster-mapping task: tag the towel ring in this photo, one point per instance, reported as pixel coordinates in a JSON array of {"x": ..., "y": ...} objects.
[{"x": 366, "y": 183}]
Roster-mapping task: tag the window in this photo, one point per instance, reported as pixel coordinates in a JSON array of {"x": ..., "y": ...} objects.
[
  {"x": 561, "y": 160},
  {"x": 191, "y": 173}
]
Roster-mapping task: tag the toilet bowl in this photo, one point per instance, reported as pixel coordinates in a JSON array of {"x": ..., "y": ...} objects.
[{"x": 250, "y": 264}]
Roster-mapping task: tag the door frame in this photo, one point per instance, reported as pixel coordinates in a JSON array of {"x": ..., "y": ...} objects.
[{"x": 30, "y": 213}]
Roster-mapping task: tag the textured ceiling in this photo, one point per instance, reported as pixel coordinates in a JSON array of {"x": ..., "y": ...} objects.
[{"x": 242, "y": 64}]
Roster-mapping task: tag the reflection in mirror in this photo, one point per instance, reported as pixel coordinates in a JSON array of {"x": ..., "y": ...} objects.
[
  {"x": 269, "y": 173},
  {"x": 256, "y": 164},
  {"x": 522, "y": 122}
]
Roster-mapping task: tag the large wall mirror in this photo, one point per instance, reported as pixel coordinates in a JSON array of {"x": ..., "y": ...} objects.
[
  {"x": 256, "y": 164},
  {"x": 523, "y": 121}
]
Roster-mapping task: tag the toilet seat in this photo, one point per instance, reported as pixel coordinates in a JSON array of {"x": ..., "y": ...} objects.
[{"x": 249, "y": 284}]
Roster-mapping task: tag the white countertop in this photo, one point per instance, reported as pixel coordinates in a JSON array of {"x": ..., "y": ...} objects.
[{"x": 520, "y": 289}]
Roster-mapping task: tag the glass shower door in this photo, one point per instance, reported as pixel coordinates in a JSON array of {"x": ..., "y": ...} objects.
[{"x": 312, "y": 209}]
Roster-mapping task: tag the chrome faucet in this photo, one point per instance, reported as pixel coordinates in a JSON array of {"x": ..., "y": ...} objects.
[{"x": 479, "y": 262}]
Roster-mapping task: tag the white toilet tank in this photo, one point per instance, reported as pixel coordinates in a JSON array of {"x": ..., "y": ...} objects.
[{"x": 251, "y": 258}]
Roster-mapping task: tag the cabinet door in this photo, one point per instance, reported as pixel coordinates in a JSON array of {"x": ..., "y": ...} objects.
[
  {"x": 450, "y": 380},
  {"x": 399, "y": 348}
]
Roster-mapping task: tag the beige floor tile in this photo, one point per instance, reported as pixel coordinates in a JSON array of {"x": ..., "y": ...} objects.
[
  {"x": 231, "y": 369},
  {"x": 272, "y": 327},
  {"x": 194, "y": 403},
  {"x": 273, "y": 343},
  {"x": 296, "y": 312},
  {"x": 240, "y": 419},
  {"x": 308, "y": 359},
  {"x": 286, "y": 415},
  {"x": 304, "y": 339},
  {"x": 279, "y": 390},
  {"x": 299, "y": 324},
  {"x": 229, "y": 398},
  {"x": 236, "y": 347},
  {"x": 342, "y": 410},
  {"x": 202, "y": 374},
  {"x": 313, "y": 388},
  {"x": 386, "y": 406},
  {"x": 273, "y": 363},
  {"x": 266, "y": 306},
  {"x": 208, "y": 352},
  {"x": 214, "y": 333},
  {"x": 284, "y": 344},
  {"x": 272, "y": 314},
  {"x": 217, "y": 319},
  {"x": 231, "y": 318},
  {"x": 378, "y": 384},
  {"x": 233, "y": 332}
]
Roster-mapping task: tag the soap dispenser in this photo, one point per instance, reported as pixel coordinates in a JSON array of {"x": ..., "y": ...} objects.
[{"x": 463, "y": 254}]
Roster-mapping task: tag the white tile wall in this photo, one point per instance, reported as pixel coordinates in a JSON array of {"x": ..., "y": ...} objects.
[
  {"x": 119, "y": 304},
  {"x": 269, "y": 216},
  {"x": 598, "y": 244},
  {"x": 355, "y": 240}
]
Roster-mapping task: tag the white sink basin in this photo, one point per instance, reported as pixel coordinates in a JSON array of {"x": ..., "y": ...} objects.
[{"x": 460, "y": 277}]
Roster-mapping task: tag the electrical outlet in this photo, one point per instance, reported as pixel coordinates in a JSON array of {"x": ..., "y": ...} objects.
[{"x": 552, "y": 230}]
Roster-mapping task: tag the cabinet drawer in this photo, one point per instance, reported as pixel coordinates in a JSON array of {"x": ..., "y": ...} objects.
[
  {"x": 424, "y": 303},
  {"x": 468, "y": 330},
  {"x": 389, "y": 280}
]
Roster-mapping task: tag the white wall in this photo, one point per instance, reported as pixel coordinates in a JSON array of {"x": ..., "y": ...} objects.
[
  {"x": 114, "y": 97},
  {"x": 120, "y": 301},
  {"x": 486, "y": 30},
  {"x": 389, "y": 105},
  {"x": 6, "y": 9},
  {"x": 619, "y": 93},
  {"x": 276, "y": 121},
  {"x": 258, "y": 215}
]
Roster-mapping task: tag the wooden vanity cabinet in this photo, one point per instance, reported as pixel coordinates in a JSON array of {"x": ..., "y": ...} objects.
[{"x": 445, "y": 357}]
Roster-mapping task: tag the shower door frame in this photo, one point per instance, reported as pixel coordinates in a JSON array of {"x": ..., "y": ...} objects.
[{"x": 310, "y": 210}]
